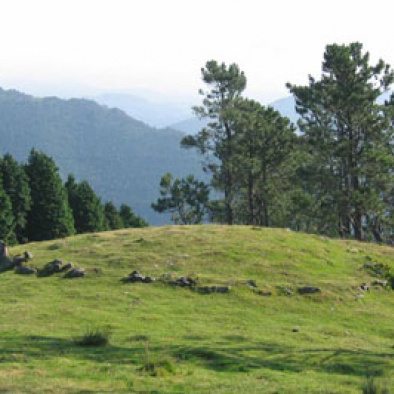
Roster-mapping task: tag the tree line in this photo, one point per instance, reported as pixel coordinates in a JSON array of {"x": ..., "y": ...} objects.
[
  {"x": 35, "y": 205},
  {"x": 333, "y": 175}
]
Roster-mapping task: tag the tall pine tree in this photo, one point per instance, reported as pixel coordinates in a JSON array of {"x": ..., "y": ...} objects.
[{"x": 50, "y": 215}]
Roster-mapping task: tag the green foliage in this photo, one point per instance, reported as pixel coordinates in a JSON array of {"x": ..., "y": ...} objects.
[
  {"x": 113, "y": 220},
  {"x": 15, "y": 185},
  {"x": 348, "y": 137},
  {"x": 129, "y": 219},
  {"x": 226, "y": 85},
  {"x": 50, "y": 215},
  {"x": 86, "y": 206},
  {"x": 6, "y": 216},
  {"x": 186, "y": 198}
]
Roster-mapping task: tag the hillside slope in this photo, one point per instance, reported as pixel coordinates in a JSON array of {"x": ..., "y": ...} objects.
[
  {"x": 123, "y": 159},
  {"x": 172, "y": 339}
]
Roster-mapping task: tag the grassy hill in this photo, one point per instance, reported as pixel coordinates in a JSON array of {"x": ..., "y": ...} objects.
[
  {"x": 168, "y": 339},
  {"x": 123, "y": 159}
]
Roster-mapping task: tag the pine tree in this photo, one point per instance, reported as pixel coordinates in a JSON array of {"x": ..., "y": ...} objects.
[
  {"x": 6, "y": 216},
  {"x": 16, "y": 186},
  {"x": 86, "y": 206},
  {"x": 350, "y": 139},
  {"x": 226, "y": 85},
  {"x": 50, "y": 215},
  {"x": 186, "y": 198},
  {"x": 113, "y": 221},
  {"x": 129, "y": 219}
]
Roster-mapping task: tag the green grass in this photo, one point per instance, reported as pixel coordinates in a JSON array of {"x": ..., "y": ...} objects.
[{"x": 167, "y": 339}]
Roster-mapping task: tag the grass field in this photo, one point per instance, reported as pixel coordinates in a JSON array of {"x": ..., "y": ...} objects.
[{"x": 166, "y": 339}]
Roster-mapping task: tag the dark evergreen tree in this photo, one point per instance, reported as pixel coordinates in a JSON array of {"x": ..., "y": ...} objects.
[
  {"x": 216, "y": 140},
  {"x": 86, "y": 207},
  {"x": 113, "y": 221},
  {"x": 349, "y": 138},
  {"x": 16, "y": 186},
  {"x": 129, "y": 219},
  {"x": 187, "y": 199},
  {"x": 6, "y": 216},
  {"x": 50, "y": 215},
  {"x": 262, "y": 159}
]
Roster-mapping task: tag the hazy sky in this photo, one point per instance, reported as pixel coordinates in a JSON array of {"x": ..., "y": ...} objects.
[{"x": 83, "y": 46}]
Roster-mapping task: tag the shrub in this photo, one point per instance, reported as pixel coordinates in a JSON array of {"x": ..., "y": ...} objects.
[{"x": 94, "y": 338}]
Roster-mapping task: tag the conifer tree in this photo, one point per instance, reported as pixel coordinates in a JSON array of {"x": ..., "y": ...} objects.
[
  {"x": 16, "y": 186},
  {"x": 113, "y": 221},
  {"x": 350, "y": 137},
  {"x": 86, "y": 206},
  {"x": 129, "y": 219},
  {"x": 50, "y": 215},
  {"x": 226, "y": 84},
  {"x": 6, "y": 216}
]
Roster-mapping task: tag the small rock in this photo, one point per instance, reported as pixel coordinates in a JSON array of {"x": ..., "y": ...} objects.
[
  {"x": 20, "y": 269},
  {"x": 213, "y": 289},
  {"x": 382, "y": 283},
  {"x": 66, "y": 267},
  {"x": 51, "y": 268},
  {"x": 308, "y": 290},
  {"x": 359, "y": 296},
  {"x": 364, "y": 287},
  {"x": 251, "y": 283},
  {"x": 296, "y": 329},
  {"x": 18, "y": 260},
  {"x": 354, "y": 250},
  {"x": 264, "y": 293},
  {"x": 28, "y": 255},
  {"x": 75, "y": 273}
]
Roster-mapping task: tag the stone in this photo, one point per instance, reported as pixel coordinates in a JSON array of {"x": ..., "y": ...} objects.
[
  {"x": 6, "y": 265},
  {"x": 66, "y": 267},
  {"x": 354, "y": 250},
  {"x": 382, "y": 283},
  {"x": 75, "y": 273},
  {"x": 295, "y": 329},
  {"x": 364, "y": 287},
  {"x": 359, "y": 296},
  {"x": 251, "y": 283},
  {"x": 24, "y": 270},
  {"x": 308, "y": 290},
  {"x": 18, "y": 260},
  {"x": 51, "y": 268},
  {"x": 264, "y": 293},
  {"x": 285, "y": 290},
  {"x": 28, "y": 255},
  {"x": 183, "y": 281},
  {"x": 213, "y": 289},
  {"x": 136, "y": 277}
]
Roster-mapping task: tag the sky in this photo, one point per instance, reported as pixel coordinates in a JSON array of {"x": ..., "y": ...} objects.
[{"x": 157, "y": 47}]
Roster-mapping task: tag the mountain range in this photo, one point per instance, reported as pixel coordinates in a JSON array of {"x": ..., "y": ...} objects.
[{"x": 122, "y": 158}]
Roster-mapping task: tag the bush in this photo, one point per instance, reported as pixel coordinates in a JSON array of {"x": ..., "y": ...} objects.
[{"x": 94, "y": 338}]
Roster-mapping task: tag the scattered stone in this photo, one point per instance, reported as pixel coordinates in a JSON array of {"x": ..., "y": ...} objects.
[
  {"x": 136, "y": 277},
  {"x": 264, "y": 293},
  {"x": 51, "y": 268},
  {"x": 364, "y": 287},
  {"x": 296, "y": 329},
  {"x": 18, "y": 260},
  {"x": 285, "y": 290},
  {"x": 75, "y": 273},
  {"x": 213, "y": 289},
  {"x": 20, "y": 269},
  {"x": 183, "y": 281},
  {"x": 308, "y": 290},
  {"x": 251, "y": 283},
  {"x": 28, "y": 255},
  {"x": 139, "y": 240},
  {"x": 382, "y": 283},
  {"x": 66, "y": 267}
]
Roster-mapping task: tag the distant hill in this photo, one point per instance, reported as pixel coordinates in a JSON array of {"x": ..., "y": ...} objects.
[
  {"x": 193, "y": 125},
  {"x": 122, "y": 158},
  {"x": 156, "y": 114}
]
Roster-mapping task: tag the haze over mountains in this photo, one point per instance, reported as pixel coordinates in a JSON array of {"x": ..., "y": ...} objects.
[{"x": 122, "y": 158}]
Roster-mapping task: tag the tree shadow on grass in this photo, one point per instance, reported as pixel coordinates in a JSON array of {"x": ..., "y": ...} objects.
[{"x": 220, "y": 357}]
